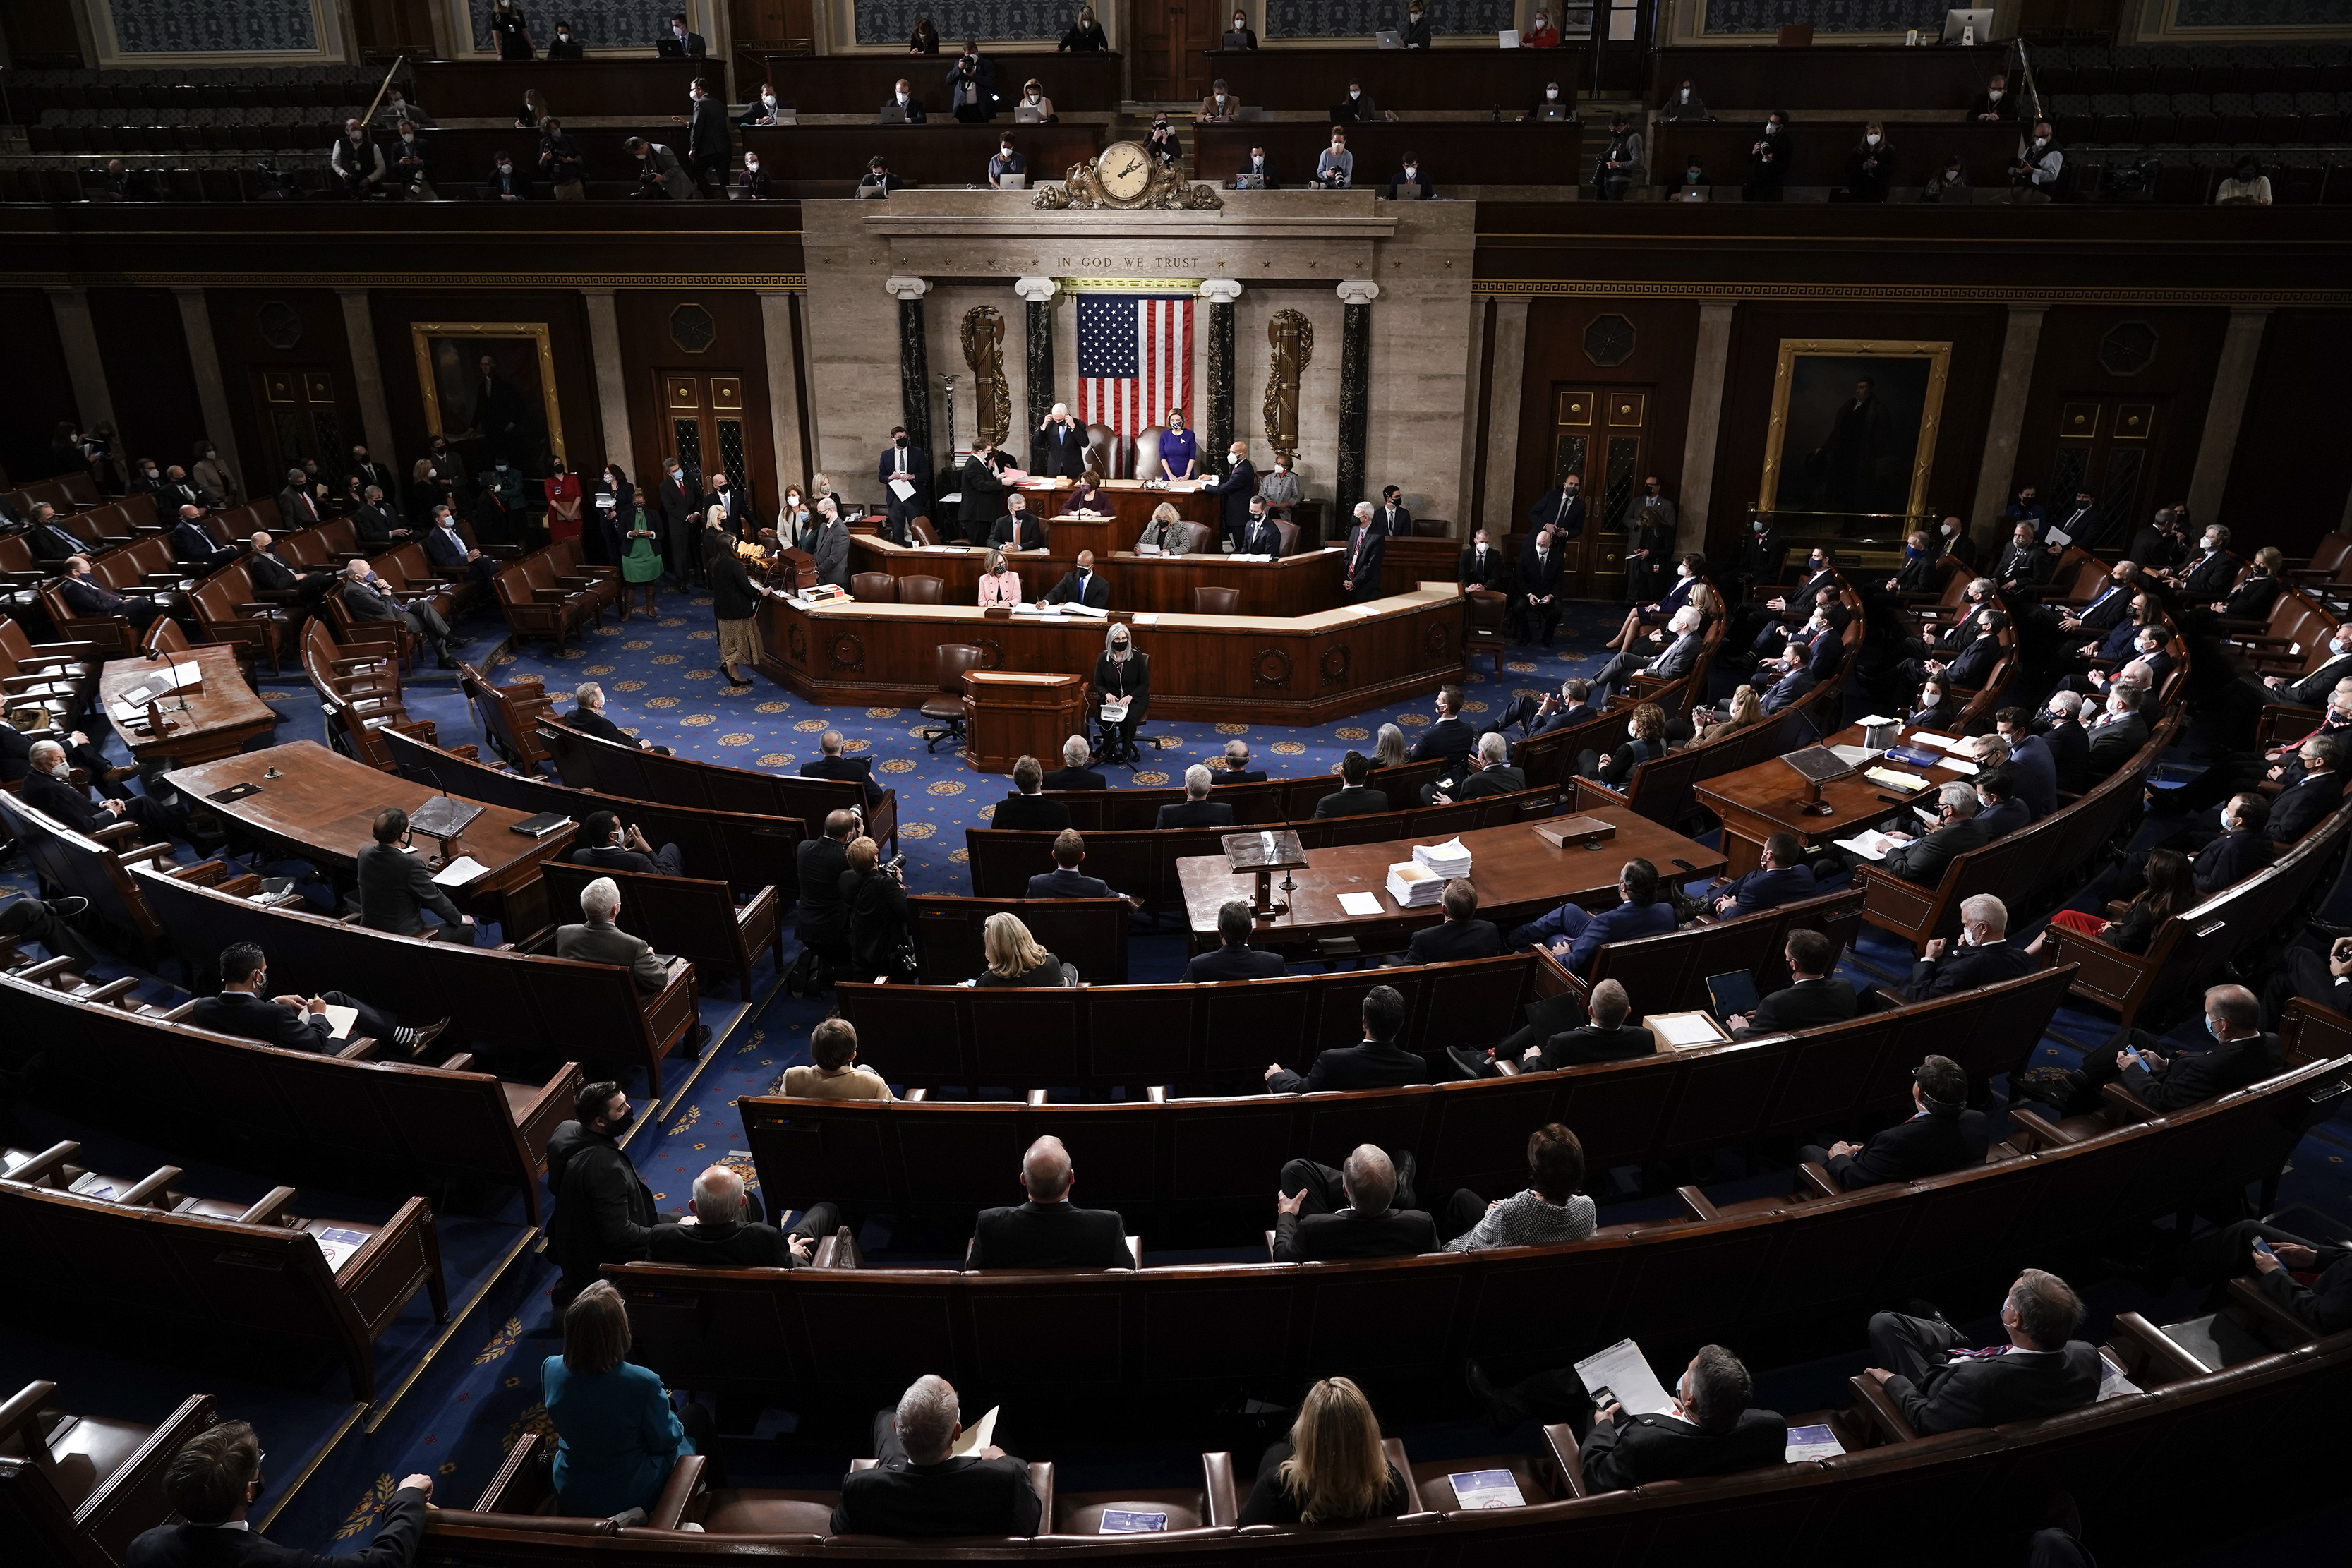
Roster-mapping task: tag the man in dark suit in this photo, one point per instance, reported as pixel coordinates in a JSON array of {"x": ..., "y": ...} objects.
[
  {"x": 2240, "y": 1054},
  {"x": 1603, "y": 1037},
  {"x": 971, "y": 85},
  {"x": 395, "y": 887},
  {"x": 1236, "y": 768},
  {"x": 1941, "y": 1134},
  {"x": 2118, "y": 737},
  {"x": 2310, "y": 798},
  {"x": 47, "y": 540},
  {"x": 2032, "y": 760},
  {"x": 1359, "y": 573},
  {"x": 919, "y": 1486},
  {"x": 1018, "y": 528},
  {"x": 902, "y": 460},
  {"x": 297, "y": 507},
  {"x": 2244, "y": 848},
  {"x": 1065, "y": 880},
  {"x": 1073, "y": 774},
  {"x": 1061, "y": 441},
  {"x": 1913, "y": 857},
  {"x": 604, "y": 1210},
  {"x": 1561, "y": 709},
  {"x": 1049, "y": 1231},
  {"x": 1684, "y": 640},
  {"x": 2208, "y": 577},
  {"x": 587, "y": 716},
  {"x": 2061, "y": 728},
  {"x": 211, "y": 1483},
  {"x": 2024, "y": 568},
  {"x": 605, "y": 845},
  {"x": 1354, "y": 799},
  {"x": 2002, "y": 810},
  {"x": 1236, "y": 491},
  {"x": 831, "y": 764},
  {"x": 739, "y": 517},
  {"x": 369, "y": 598},
  {"x": 1025, "y": 808},
  {"x": 1813, "y": 998},
  {"x": 1489, "y": 773},
  {"x": 679, "y": 497},
  {"x": 1973, "y": 665},
  {"x": 1984, "y": 956},
  {"x": 1082, "y": 585},
  {"x": 1711, "y": 1431},
  {"x": 1235, "y": 958},
  {"x": 49, "y": 788},
  {"x": 679, "y": 44},
  {"x": 193, "y": 549},
  {"x": 2310, "y": 1280},
  {"x": 1562, "y": 510},
  {"x": 1541, "y": 561},
  {"x": 16, "y": 755},
  {"x": 979, "y": 483},
  {"x": 820, "y": 918},
  {"x": 1780, "y": 878},
  {"x": 564, "y": 47},
  {"x": 1394, "y": 519},
  {"x": 709, "y": 148},
  {"x": 1785, "y": 681},
  {"x": 2310, "y": 690},
  {"x": 715, "y": 1234},
  {"x": 1481, "y": 566},
  {"x": 1462, "y": 935},
  {"x": 597, "y": 937},
  {"x": 1259, "y": 536},
  {"x": 292, "y": 1023},
  {"x": 86, "y": 598},
  {"x": 1940, "y": 1386},
  {"x": 451, "y": 556},
  {"x": 1378, "y": 1063},
  {"x": 1196, "y": 809},
  {"x": 1362, "y": 1210},
  {"x": 1451, "y": 738}
]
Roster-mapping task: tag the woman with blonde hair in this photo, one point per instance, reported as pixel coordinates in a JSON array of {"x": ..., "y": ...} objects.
[
  {"x": 616, "y": 1436},
  {"x": 534, "y": 112},
  {"x": 1332, "y": 1471},
  {"x": 1746, "y": 707},
  {"x": 1013, "y": 956},
  {"x": 881, "y": 926},
  {"x": 1000, "y": 584},
  {"x": 1389, "y": 749},
  {"x": 1167, "y": 532}
]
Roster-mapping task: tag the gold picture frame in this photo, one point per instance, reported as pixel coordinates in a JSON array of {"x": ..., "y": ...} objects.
[
  {"x": 437, "y": 341},
  {"x": 1921, "y": 367}
]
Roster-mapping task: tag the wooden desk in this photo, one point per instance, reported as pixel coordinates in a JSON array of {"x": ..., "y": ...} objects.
[
  {"x": 1309, "y": 669},
  {"x": 223, "y": 714},
  {"x": 1294, "y": 585},
  {"x": 1820, "y": 149},
  {"x": 1874, "y": 77},
  {"x": 1452, "y": 152},
  {"x": 1008, "y": 716},
  {"x": 1473, "y": 76},
  {"x": 1519, "y": 876},
  {"x": 479, "y": 90},
  {"x": 860, "y": 84},
  {"x": 323, "y": 807},
  {"x": 939, "y": 153},
  {"x": 1756, "y": 802}
]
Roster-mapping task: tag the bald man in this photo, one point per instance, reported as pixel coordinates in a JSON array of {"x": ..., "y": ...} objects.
[
  {"x": 1049, "y": 1231},
  {"x": 722, "y": 1228},
  {"x": 1362, "y": 1210}
]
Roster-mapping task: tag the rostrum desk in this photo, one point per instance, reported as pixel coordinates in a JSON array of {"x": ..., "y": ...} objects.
[
  {"x": 1294, "y": 585},
  {"x": 1008, "y": 716}
]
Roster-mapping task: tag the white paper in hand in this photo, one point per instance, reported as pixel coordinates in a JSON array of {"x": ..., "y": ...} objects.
[
  {"x": 902, "y": 487},
  {"x": 1869, "y": 846},
  {"x": 978, "y": 1434},
  {"x": 340, "y": 1021},
  {"x": 1623, "y": 1372}
]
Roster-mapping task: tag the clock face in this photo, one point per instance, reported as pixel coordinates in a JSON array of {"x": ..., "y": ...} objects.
[{"x": 1124, "y": 171}]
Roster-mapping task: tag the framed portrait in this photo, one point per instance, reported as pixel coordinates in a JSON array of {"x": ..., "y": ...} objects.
[
  {"x": 1854, "y": 426},
  {"x": 490, "y": 388}
]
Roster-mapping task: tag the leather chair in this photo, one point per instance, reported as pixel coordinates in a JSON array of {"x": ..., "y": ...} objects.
[
  {"x": 1289, "y": 531},
  {"x": 1146, "y": 451},
  {"x": 920, "y": 531},
  {"x": 946, "y": 710},
  {"x": 1207, "y": 601},
  {"x": 874, "y": 587},
  {"x": 922, "y": 590},
  {"x": 1487, "y": 613}
]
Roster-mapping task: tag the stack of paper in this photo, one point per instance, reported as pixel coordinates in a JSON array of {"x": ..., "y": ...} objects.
[
  {"x": 1870, "y": 844},
  {"x": 1942, "y": 742},
  {"x": 1449, "y": 860},
  {"x": 1414, "y": 886},
  {"x": 1487, "y": 1488},
  {"x": 1896, "y": 778}
]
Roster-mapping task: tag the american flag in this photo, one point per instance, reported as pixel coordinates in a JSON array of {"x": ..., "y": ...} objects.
[{"x": 1135, "y": 359}]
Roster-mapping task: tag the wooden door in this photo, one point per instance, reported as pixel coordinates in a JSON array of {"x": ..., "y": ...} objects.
[
  {"x": 1168, "y": 49},
  {"x": 702, "y": 425},
  {"x": 302, "y": 415},
  {"x": 396, "y": 27},
  {"x": 2108, "y": 446},
  {"x": 1602, "y": 434}
]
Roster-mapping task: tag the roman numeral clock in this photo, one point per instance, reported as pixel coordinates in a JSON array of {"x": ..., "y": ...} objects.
[{"x": 1125, "y": 176}]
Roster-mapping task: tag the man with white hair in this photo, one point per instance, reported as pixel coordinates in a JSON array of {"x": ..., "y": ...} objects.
[
  {"x": 1064, "y": 442},
  {"x": 587, "y": 716},
  {"x": 1196, "y": 809},
  {"x": 369, "y": 598},
  {"x": 2060, "y": 725},
  {"x": 832, "y": 762},
  {"x": 49, "y": 788},
  {"x": 1672, "y": 663},
  {"x": 919, "y": 1486},
  {"x": 1984, "y": 954},
  {"x": 596, "y": 940},
  {"x": 1049, "y": 1231},
  {"x": 2121, "y": 730},
  {"x": 722, "y": 1229},
  {"x": 1913, "y": 857},
  {"x": 1073, "y": 774},
  {"x": 1489, "y": 773},
  {"x": 1363, "y": 1210},
  {"x": 1360, "y": 575},
  {"x": 1237, "y": 769},
  {"x": 272, "y": 574}
]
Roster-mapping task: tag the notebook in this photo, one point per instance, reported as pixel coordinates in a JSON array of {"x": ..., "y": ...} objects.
[
  {"x": 1730, "y": 993},
  {"x": 443, "y": 817},
  {"x": 540, "y": 826}
]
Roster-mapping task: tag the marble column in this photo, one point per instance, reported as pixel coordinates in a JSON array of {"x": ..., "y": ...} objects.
[
  {"x": 784, "y": 389},
  {"x": 612, "y": 385},
  {"x": 1708, "y": 363},
  {"x": 2233, "y": 378},
  {"x": 1218, "y": 424},
  {"x": 914, "y": 362},
  {"x": 212, "y": 389},
  {"x": 2005, "y": 424},
  {"x": 1355, "y": 390},
  {"x": 1506, "y": 384},
  {"x": 77, "y": 337},
  {"x": 375, "y": 414},
  {"x": 1037, "y": 354}
]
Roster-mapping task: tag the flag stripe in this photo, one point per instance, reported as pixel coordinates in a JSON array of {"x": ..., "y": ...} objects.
[{"x": 1135, "y": 359}]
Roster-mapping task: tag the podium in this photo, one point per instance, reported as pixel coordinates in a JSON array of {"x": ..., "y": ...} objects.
[{"x": 1007, "y": 716}]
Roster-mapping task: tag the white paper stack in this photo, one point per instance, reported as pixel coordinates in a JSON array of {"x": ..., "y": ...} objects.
[
  {"x": 1896, "y": 778},
  {"x": 1449, "y": 860},
  {"x": 1414, "y": 886}
]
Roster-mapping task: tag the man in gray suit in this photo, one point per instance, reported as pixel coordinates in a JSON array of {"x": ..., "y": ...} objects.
[
  {"x": 830, "y": 546},
  {"x": 659, "y": 173},
  {"x": 598, "y": 940}
]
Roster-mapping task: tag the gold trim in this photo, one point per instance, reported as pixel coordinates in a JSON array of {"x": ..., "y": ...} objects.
[
  {"x": 1939, "y": 357},
  {"x": 422, "y": 333},
  {"x": 282, "y": 1496},
  {"x": 1934, "y": 293},
  {"x": 1130, "y": 285}
]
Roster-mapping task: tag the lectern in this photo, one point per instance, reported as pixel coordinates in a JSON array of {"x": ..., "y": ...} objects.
[{"x": 1008, "y": 716}]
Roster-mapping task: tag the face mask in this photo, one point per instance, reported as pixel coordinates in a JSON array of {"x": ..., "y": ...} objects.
[
  {"x": 564, "y": 36},
  {"x": 1994, "y": 94},
  {"x": 1336, "y": 146},
  {"x": 1282, "y": 468},
  {"x": 2211, "y": 1028},
  {"x": 1950, "y": 175},
  {"x": 1771, "y": 128},
  {"x": 1551, "y": 92},
  {"x": 2042, "y": 140},
  {"x": 1872, "y": 140},
  {"x": 502, "y": 467},
  {"x": 902, "y": 97},
  {"x": 750, "y": 165},
  {"x": 506, "y": 168},
  {"x": 1236, "y": 456},
  {"x": 1693, "y": 175},
  {"x": 624, "y": 1123},
  {"x": 1006, "y": 150},
  {"x": 1411, "y": 170},
  {"x": 1685, "y": 95},
  {"x": 150, "y": 473},
  {"x": 1355, "y": 93}
]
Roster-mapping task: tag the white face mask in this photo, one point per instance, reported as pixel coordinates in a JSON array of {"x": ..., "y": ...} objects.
[
  {"x": 768, "y": 99},
  {"x": 750, "y": 165},
  {"x": 1994, "y": 93},
  {"x": 1551, "y": 92},
  {"x": 1872, "y": 140},
  {"x": 1685, "y": 95},
  {"x": 1411, "y": 170},
  {"x": 1355, "y": 93}
]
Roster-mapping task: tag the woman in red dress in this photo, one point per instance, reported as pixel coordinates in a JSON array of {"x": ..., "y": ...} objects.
[{"x": 563, "y": 502}]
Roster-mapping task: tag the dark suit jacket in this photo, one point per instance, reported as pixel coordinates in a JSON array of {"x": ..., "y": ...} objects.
[
  {"x": 2110, "y": 746},
  {"x": 1790, "y": 688},
  {"x": 253, "y": 1018},
  {"x": 666, "y": 861},
  {"x": 1923, "y": 859},
  {"x": 1804, "y": 1006},
  {"x": 1635, "y": 1449},
  {"x": 731, "y": 1245},
  {"x": 1031, "y": 531},
  {"x": 956, "y": 1497},
  {"x": 1097, "y": 596},
  {"x": 589, "y": 722},
  {"x": 1366, "y": 546},
  {"x": 1195, "y": 814},
  {"x": 604, "y": 1210},
  {"x": 1064, "y": 446},
  {"x": 2070, "y": 753},
  {"x": 2018, "y": 1387},
  {"x": 395, "y": 888},
  {"x": 1920, "y": 1146},
  {"x": 1449, "y": 738},
  {"x": 2026, "y": 567},
  {"x": 68, "y": 803},
  {"x": 2037, "y": 773},
  {"x": 1029, "y": 811},
  {"x": 859, "y": 770},
  {"x": 1050, "y": 1236},
  {"x": 1230, "y": 963},
  {"x": 918, "y": 475},
  {"x": 2252, "y": 597},
  {"x": 820, "y": 861},
  {"x": 1964, "y": 968},
  {"x": 1234, "y": 492},
  {"x": 50, "y": 543},
  {"x": 1225, "y": 775},
  {"x": 1472, "y": 573},
  {"x": 2192, "y": 1076},
  {"x": 1351, "y": 802},
  {"x": 706, "y": 133},
  {"x": 1974, "y": 666},
  {"x": 2007, "y": 817},
  {"x": 2232, "y": 858},
  {"x": 1305, "y": 1238},
  {"x": 197, "y": 1546},
  {"x": 1766, "y": 889},
  {"x": 1451, "y": 941},
  {"x": 2210, "y": 577},
  {"x": 1058, "y": 883},
  {"x": 1564, "y": 512},
  {"x": 2295, "y": 811},
  {"x": 1592, "y": 1043},
  {"x": 1375, "y": 1064},
  {"x": 1075, "y": 778},
  {"x": 2312, "y": 690},
  {"x": 1497, "y": 780}
]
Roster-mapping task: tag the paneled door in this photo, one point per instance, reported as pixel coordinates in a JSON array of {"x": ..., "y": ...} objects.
[
  {"x": 2108, "y": 446},
  {"x": 702, "y": 425},
  {"x": 1600, "y": 433},
  {"x": 1169, "y": 46},
  {"x": 302, "y": 417}
]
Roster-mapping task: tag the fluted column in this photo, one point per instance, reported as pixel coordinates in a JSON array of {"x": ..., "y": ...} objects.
[
  {"x": 2233, "y": 382},
  {"x": 914, "y": 361},
  {"x": 1355, "y": 390},
  {"x": 85, "y": 368},
  {"x": 1221, "y": 293},
  {"x": 1037, "y": 355},
  {"x": 212, "y": 389},
  {"x": 359, "y": 329}
]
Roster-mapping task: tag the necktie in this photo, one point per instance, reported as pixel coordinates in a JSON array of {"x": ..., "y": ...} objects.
[{"x": 902, "y": 457}]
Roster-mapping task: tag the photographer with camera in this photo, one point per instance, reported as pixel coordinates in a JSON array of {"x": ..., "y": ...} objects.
[{"x": 881, "y": 928}]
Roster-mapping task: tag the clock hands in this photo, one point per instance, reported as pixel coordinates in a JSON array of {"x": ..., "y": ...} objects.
[{"x": 1130, "y": 167}]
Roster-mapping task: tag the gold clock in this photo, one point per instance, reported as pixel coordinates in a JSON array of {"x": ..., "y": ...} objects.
[{"x": 1124, "y": 172}]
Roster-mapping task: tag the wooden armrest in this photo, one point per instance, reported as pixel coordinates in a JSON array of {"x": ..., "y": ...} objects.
[
  {"x": 677, "y": 1492},
  {"x": 377, "y": 662},
  {"x": 112, "y": 991},
  {"x": 46, "y": 1162},
  {"x": 144, "y": 1193},
  {"x": 2042, "y": 1132},
  {"x": 176, "y": 1015},
  {"x": 270, "y": 1210},
  {"x": 142, "y": 852},
  {"x": 1036, "y": 1096},
  {"x": 1815, "y": 1181},
  {"x": 1878, "y": 1405},
  {"x": 1155, "y": 1094},
  {"x": 2250, "y": 1300},
  {"x": 48, "y": 972},
  {"x": 461, "y": 1062},
  {"x": 362, "y": 1050},
  {"x": 116, "y": 832},
  {"x": 1567, "y": 1459},
  {"x": 915, "y": 1096},
  {"x": 2123, "y": 1106},
  {"x": 2157, "y": 1352},
  {"x": 1505, "y": 1067},
  {"x": 34, "y": 1397},
  {"x": 1697, "y": 1202}
]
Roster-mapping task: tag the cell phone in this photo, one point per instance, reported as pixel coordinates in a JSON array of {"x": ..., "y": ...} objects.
[
  {"x": 1603, "y": 1399},
  {"x": 2266, "y": 1249},
  {"x": 2138, "y": 1061}
]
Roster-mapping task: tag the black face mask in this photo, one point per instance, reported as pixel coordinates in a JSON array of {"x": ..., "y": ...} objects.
[
  {"x": 615, "y": 1128},
  {"x": 900, "y": 443}
]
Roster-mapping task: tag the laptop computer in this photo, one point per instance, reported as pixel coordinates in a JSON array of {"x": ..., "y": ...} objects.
[
  {"x": 1408, "y": 193},
  {"x": 1388, "y": 39},
  {"x": 1011, "y": 181},
  {"x": 891, "y": 114},
  {"x": 1508, "y": 38},
  {"x": 1025, "y": 115},
  {"x": 1552, "y": 111},
  {"x": 871, "y": 193},
  {"x": 1249, "y": 181}
]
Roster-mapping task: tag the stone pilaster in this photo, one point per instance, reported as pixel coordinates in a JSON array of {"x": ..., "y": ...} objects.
[
  {"x": 914, "y": 362},
  {"x": 1037, "y": 351},
  {"x": 1218, "y": 423},
  {"x": 1356, "y": 295},
  {"x": 2233, "y": 381}
]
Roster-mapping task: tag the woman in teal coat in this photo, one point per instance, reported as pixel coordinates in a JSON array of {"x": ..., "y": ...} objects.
[{"x": 616, "y": 1436}]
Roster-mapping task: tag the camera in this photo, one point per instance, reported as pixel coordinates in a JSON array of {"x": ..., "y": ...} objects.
[{"x": 896, "y": 862}]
